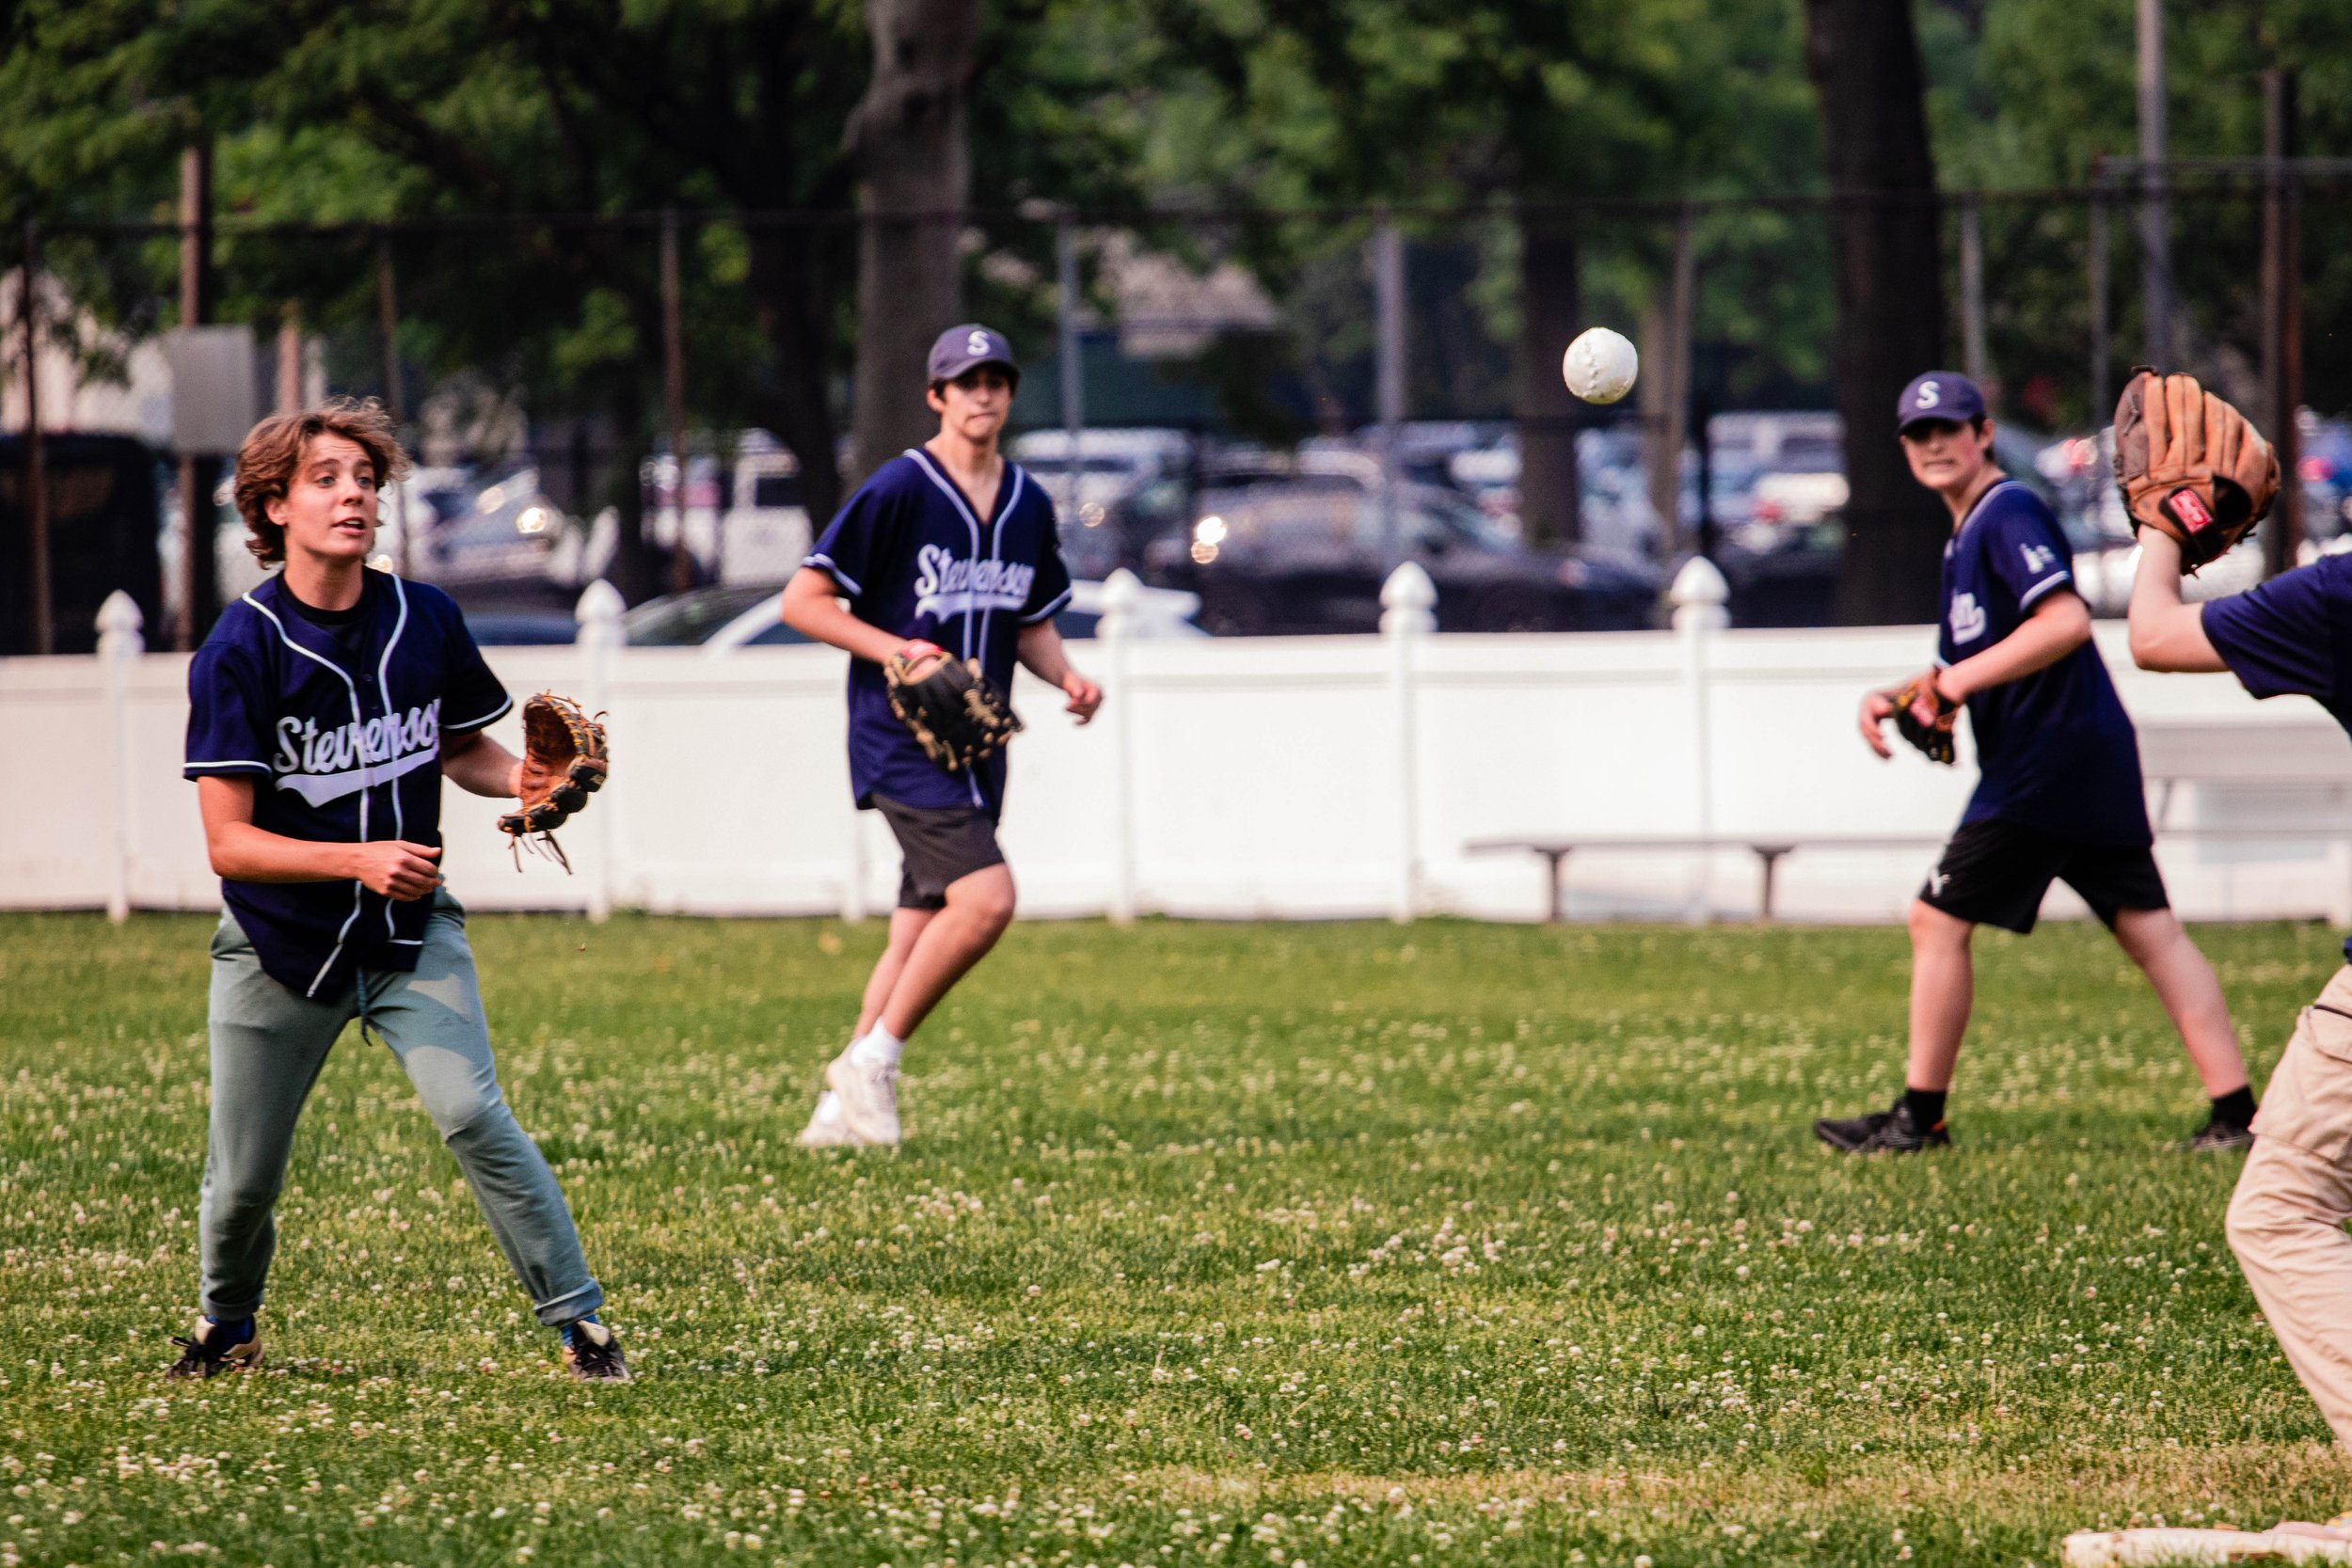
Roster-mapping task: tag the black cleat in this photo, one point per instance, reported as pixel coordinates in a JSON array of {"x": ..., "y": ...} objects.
[
  {"x": 1882, "y": 1133},
  {"x": 207, "y": 1353},
  {"x": 2220, "y": 1134},
  {"x": 591, "y": 1354}
]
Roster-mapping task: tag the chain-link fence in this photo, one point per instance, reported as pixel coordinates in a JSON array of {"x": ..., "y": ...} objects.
[{"x": 1264, "y": 409}]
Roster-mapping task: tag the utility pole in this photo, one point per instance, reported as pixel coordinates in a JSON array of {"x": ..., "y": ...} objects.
[
  {"x": 388, "y": 330},
  {"x": 1073, "y": 407},
  {"x": 35, "y": 460},
  {"x": 2154, "y": 221},
  {"x": 1973, "y": 358},
  {"x": 673, "y": 395},
  {"x": 200, "y": 578},
  {"x": 289, "y": 398},
  {"x": 2282, "y": 311},
  {"x": 1388, "y": 291},
  {"x": 2097, "y": 269}
]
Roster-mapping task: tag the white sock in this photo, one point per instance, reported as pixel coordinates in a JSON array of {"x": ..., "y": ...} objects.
[{"x": 878, "y": 1047}]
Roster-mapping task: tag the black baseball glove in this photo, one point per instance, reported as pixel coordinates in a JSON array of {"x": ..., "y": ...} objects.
[
  {"x": 1933, "y": 740},
  {"x": 953, "y": 711}
]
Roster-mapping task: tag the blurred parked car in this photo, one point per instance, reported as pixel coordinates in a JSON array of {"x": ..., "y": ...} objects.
[
  {"x": 1114, "y": 460},
  {"x": 1310, "y": 554},
  {"x": 691, "y": 619},
  {"x": 511, "y": 538},
  {"x": 758, "y": 534},
  {"x": 748, "y": 615},
  {"x": 1104, "y": 520},
  {"x": 521, "y": 628}
]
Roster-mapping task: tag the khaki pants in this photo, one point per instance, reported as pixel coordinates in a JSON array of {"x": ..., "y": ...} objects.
[{"x": 2287, "y": 1217}]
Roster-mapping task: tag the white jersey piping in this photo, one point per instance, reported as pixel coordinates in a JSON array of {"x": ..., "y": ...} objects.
[{"x": 359, "y": 889}]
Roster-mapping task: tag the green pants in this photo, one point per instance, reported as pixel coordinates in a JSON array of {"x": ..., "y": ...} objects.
[{"x": 268, "y": 1046}]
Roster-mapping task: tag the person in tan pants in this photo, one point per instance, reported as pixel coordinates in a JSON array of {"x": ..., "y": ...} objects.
[{"x": 2292, "y": 636}]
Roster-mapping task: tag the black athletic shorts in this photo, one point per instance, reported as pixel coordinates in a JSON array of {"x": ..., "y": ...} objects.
[
  {"x": 1994, "y": 874},
  {"x": 940, "y": 844}
]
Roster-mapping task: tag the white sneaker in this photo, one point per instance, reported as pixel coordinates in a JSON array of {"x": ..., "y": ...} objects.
[
  {"x": 827, "y": 1128},
  {"x": 868, "y": 1096}
]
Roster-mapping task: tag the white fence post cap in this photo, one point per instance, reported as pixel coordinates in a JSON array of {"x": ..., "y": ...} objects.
[
  {"x": 120, "y": 615},
  {"x": 1408, "y": 588},
  {"x": 1123, "y": 592},
  {"x": 1699, "y": 582},
  {"x": 600, "y": 612},
  {"x": 1698, "y": 596},
  {"x": 1407, "y": 598}
]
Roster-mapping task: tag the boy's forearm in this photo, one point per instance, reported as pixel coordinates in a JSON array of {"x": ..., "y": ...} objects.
[
  {"x": 480, "y": 765},
  {"x": 1040, "y": 650},
  {"x": 812, "y": 611},
  {"x": 2167, "y": 633},
  {"x": 2041, "y": 642},
  {"x": 244, "y": 853}
]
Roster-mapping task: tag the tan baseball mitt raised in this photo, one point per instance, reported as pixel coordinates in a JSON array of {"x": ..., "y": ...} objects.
[
  {"x": 564, "y": 761},
  {"x": 2190, "y": 464}
]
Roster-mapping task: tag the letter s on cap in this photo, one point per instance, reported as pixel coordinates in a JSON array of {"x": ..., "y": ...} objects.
[
  {"x": 1930, "y": 394},
  {"x": 976, "y": 343}
]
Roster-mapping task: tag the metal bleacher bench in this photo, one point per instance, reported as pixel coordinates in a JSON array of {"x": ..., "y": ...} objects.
[
  {"x": 2297, "y": 752},
  {"x": 1768, "y": 852}
]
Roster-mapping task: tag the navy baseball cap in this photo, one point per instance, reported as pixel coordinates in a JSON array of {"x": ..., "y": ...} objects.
[
  {"x": 961, "y": 348},
  {"x": 1938, "y": 395}
]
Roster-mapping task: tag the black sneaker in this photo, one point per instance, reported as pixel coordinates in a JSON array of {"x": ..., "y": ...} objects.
[
  {"x": 1882, "y": 1133},
  {"x": 2217, "y": 1134},
  {"x": 208, "y": 1352},
  {"x": 591, "y": 1354}
]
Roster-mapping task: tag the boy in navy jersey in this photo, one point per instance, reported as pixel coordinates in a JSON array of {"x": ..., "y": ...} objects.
[
  {"x": 325, "y": 709},
  {"x": 946, "y": 545},
  {"x": 2059, "y": 794},
  {"x": 2292, "y": 636}
]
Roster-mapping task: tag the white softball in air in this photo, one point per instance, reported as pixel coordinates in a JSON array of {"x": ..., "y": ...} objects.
[{"x": 1600, "y": 365}]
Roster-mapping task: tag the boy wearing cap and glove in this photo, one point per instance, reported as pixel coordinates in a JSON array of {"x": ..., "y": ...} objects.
[
  {"x": 2059, "y": 795},
  {"x": 947, "y": 548}
]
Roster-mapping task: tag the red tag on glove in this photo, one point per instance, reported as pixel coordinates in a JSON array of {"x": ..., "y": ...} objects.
[{"x": 2186, "y": 508}]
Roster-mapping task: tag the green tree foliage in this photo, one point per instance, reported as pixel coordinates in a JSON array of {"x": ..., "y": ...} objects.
[
  {"x": 1421, "y": 103},
  {"x": 392, "y": 111},
  {"x": 2027, "y": 94}
]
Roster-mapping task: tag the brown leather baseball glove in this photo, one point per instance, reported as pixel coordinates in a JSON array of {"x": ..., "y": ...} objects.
[
  {"x": 2190, "y": 464},
  {"x": 952, "y": 710},
  {"x": 564, "y": 761}
]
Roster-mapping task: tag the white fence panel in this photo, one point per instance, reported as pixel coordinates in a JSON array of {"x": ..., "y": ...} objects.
[{"x": 1264, "y": 778}]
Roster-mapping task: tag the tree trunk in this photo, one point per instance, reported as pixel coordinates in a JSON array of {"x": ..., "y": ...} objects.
[
  {"x": 1665, "y": 384},
  {"x": 1887, "y": 263},
  {"x": 631, "y": 572},
  {"x": 791, "y": 278},
  {"x": 908, "y": 136},
  {"x": 1543, "y": 406}
]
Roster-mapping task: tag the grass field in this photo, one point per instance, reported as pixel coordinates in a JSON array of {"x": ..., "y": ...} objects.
[{"x": 1213, "y": 1244}]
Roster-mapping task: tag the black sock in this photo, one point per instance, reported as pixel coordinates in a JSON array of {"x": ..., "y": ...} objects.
[
  {"x": 2237, "y": 1107},
  {"x": 1926, "y": 1106}
]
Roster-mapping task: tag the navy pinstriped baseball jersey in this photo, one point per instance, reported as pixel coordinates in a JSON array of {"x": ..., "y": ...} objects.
[
  {"x": 2054, "y": 749},
  {"x": 917, "y": 560},
  {"x": 339, "y": 718},
  {"x": 2291, "y": 636}
]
